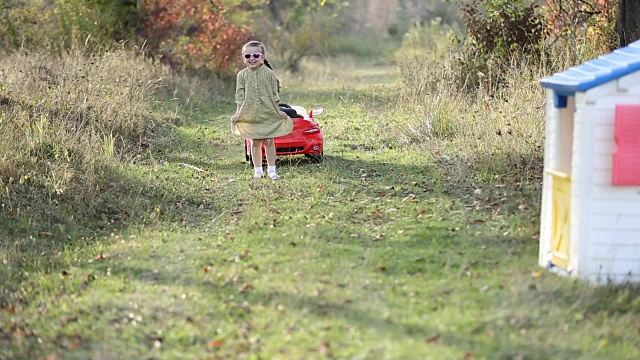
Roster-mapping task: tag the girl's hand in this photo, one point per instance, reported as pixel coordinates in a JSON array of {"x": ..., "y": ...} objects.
[
  {"x": 234, "y": 118},
  {"x": 283, "y": 114}
]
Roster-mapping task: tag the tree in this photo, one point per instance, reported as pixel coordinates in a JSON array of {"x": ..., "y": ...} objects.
[
  {"x": 191, "y": 34},
  {"x": 293, "y": 29},
  {"x": 628, "y": 22},
  {"x": 571, "y": 22}
]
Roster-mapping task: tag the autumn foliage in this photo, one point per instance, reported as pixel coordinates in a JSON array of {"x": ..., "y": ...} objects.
[
  {"x": 586, "y": 19},
  {"x": 191, "y": 34}
]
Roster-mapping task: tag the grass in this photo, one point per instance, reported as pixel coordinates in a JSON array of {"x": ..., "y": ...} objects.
[{"x": 384, "y": 251}]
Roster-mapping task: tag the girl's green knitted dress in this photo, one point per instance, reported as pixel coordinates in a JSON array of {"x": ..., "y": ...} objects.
[{"x": 258, "y": 97}]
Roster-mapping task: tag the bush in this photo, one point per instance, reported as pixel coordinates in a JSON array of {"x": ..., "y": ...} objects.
[
  {"x": 192, "y": 34},
  {"x": 503, "y": 27},
  {"x": 493, "y": 133},
  {"x": 570, "y": 23},
  {"x": 57, "y": 25},
  {"x": 499, "y": 31}
]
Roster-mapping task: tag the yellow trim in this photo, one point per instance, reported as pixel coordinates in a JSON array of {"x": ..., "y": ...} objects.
[{"x": 561, "y": 215}]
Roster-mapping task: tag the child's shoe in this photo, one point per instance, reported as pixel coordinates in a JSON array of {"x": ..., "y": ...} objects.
[
  {"x": 271, "y": 170},
  {"x": 257, "y": 173}
]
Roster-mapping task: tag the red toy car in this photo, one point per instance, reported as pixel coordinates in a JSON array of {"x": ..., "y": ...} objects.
[{"x": 305, "y": 139}]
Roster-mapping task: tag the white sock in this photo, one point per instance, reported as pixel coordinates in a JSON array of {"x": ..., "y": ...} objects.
[
  {"x": 271, "y": 169},
  {"x": 258, "y": 171}
]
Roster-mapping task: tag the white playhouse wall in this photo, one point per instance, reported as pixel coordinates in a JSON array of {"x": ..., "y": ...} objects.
[{"x": 610, "y": 243}]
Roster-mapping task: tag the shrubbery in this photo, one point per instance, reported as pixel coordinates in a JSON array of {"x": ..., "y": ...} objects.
[
  {"x": 192, "y": 34},
  {"x": 480, "y": 95}
]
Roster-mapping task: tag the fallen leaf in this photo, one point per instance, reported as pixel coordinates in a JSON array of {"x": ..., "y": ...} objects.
[
  {"x": 65, "y": 273},
  {"x": 215, "y": 344},
  {"x": 382, "y": 268},
  {"x": 237, "y": 213},
  {"x": 206, "y": 269},
  {"x": 433, "y": 338},
  {"x": 324, "y": 348},
  {"x": 245, "y": 289},
  {"x": 45, "y": 234},
  {"x": 378, "y": 237},
  {"x": 410, "y": 198}
]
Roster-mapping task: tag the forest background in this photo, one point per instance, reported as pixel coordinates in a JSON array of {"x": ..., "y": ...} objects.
[
  {"x": 435, "y": 117},
  {"x": 477, "y": 50}
]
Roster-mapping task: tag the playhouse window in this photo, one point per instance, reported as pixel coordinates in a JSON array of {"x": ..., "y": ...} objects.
[{"x": 626, "y": 157}]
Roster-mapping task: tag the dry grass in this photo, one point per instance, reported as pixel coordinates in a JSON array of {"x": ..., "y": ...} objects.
[
  {"x": 62, "y": 117},
  {"x": 488, "y": 123},
  {"x": 488, "y": 132}
]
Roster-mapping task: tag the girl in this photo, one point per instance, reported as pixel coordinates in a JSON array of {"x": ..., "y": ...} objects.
[{"x": 257, "y": 116}]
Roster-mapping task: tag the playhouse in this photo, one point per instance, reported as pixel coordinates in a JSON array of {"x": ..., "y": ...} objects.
[{"x": 590, "y": 219}]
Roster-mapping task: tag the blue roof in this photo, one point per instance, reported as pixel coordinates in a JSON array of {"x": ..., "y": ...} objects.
[{"x": 595, "y": 72}]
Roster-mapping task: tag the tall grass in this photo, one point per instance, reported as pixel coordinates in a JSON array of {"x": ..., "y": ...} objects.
[
  {"x": 64, "y": 116},
  {"x": 67, "y": 125},
  {"x": 488, "y": 121}
]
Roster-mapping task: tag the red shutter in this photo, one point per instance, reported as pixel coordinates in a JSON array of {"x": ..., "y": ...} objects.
[{"x": 626, "y": 158}]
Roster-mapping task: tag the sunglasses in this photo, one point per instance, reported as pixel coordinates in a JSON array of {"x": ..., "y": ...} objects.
[{"x": 255, "y": 56}]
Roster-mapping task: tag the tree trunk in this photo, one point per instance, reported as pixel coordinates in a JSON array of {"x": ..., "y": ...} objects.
[
  {"x": 628, "y": 22},
  {"x": 274, "y": 9}
]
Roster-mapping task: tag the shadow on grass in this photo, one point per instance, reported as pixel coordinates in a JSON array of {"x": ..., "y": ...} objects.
[
  {"x": 36, "y": 227},
  {"x": 137, "y": 199},
  {"x": 323, "y": 308}
]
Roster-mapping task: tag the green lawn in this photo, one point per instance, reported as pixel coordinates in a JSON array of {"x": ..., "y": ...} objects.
[{"x": 377, "y": 253}]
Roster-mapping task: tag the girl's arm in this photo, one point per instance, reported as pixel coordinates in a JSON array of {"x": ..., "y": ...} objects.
[
  {"x": 240, "y": 88},
  {"x": 239, "y": 94},
  {"x": 275, "y": 88}
]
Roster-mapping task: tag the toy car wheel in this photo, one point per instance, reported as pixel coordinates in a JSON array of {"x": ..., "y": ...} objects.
[{"x": 316, "y": 158}]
